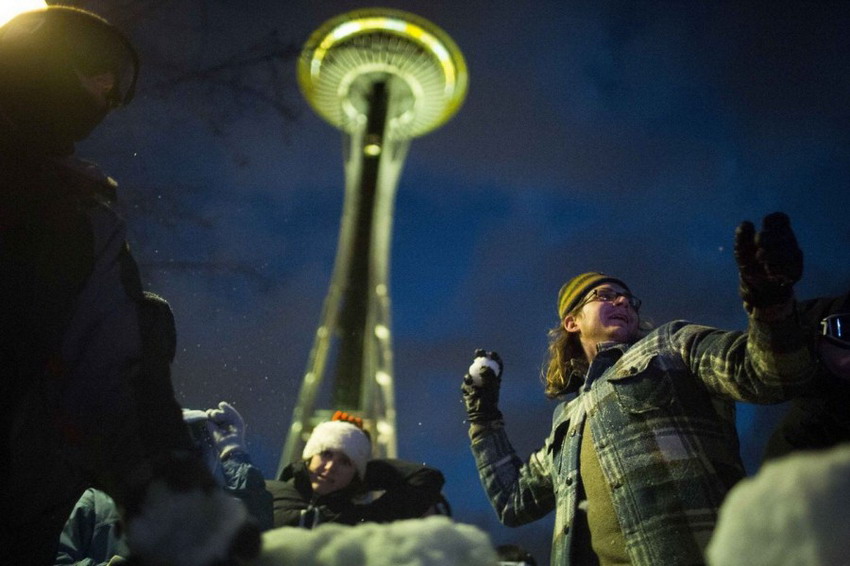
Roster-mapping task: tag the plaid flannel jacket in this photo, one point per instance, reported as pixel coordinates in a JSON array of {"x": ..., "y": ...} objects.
[{"x": 662, "y": 417}]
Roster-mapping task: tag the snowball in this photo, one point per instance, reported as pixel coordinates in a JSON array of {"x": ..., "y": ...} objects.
[{"x": 478, "y": 366}]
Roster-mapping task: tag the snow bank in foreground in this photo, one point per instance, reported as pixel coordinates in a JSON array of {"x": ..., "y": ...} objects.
[
  {"x": 794, "y": 512},
  {"x": 433, "y": 541}
]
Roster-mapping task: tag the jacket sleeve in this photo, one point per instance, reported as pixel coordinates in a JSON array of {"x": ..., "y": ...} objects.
[
  {"x": 119, "y": 399},
  {"x": 91, "y": 536},
  {"x": 101, "y": 353},
  {"x": 77, "y": 534},
  {"x": 409, "y": 489},
  {"x": 244, "y": 481},
  {"x": 520, "y": 492},
  {"x": 770, "y": 363}
]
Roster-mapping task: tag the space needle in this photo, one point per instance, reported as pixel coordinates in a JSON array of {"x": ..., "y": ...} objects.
[{"x": 382, "y": 77}]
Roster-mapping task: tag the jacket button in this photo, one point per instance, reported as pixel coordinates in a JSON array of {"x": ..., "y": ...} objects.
[
  {"x": 569, "y": 481},
  {"x": 566, "y": 529}
]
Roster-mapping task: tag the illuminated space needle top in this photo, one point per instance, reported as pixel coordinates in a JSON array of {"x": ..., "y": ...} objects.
[{"x": 424, "y": 70}]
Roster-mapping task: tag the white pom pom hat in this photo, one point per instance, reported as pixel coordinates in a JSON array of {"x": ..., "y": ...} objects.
[{"x": 344, "y": 437}]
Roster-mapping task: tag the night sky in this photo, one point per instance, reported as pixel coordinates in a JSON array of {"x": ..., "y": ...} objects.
[{"x": 625, "y": 137}]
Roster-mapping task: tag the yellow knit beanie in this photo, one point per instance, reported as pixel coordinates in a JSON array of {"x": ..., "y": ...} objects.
[{"x": 575, "y": 289}]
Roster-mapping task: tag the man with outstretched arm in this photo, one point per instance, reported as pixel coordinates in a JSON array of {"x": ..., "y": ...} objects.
[{"x": 643, "y": 447}]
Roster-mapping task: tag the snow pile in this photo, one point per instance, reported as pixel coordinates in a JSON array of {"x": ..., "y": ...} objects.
[
  {"x": 794, "y": 512},
  {"x": 185, "y": 528},
  {"x": 433, "y": 541}
]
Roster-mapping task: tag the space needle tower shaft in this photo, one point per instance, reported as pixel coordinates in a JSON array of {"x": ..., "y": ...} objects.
[{"x": 383, "y": 77}]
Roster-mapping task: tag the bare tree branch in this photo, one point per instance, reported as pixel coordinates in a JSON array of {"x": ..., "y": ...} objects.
[
  {"x": 249, "y": 81},
  {"x": 186, "y": 64}
]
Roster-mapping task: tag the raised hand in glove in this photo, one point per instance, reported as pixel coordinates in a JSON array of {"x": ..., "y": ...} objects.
[
  {"x": 228, "y": 430},
  {"x": 769, "y": 262},
  {"x": 481, "y": 387}
]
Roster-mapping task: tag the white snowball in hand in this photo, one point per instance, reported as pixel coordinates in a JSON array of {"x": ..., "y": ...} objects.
[{"x": 478, "y": 366}]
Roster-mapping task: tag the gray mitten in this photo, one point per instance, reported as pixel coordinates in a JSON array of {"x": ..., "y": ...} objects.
[
  {"x": 228, "y": 432},
  {"x": 480, "y": 387}
]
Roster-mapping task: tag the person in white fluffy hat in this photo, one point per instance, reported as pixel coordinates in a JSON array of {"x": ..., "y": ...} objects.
[{"x": 336, "y": 475}]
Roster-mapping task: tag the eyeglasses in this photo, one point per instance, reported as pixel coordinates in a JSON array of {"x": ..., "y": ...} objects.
[
  {"x": 609, "y": 296},
  {"x": 836, "y": 329}
]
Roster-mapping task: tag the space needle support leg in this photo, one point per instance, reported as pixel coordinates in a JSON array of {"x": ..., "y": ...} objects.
[{"x": 354, "y": 364}]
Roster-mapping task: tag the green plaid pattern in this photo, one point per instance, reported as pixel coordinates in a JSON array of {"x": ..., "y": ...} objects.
[{"x": 662, "y": 417}]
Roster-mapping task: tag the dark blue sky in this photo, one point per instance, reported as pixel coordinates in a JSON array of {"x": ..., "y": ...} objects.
[{"x": 627, "y": 137}]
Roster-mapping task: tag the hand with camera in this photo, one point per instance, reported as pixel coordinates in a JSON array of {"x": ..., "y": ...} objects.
[
  {"x": 769, "y": 262},
  {"x": 228, "y": 430},
  {"x": 480, "y": 387}
]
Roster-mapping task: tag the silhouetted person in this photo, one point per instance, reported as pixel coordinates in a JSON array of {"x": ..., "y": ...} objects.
[{"x": 84, "y": 352}]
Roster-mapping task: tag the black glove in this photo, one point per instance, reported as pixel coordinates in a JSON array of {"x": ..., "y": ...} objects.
[
  {"x": 769, "y": 262},
  {"x": 481, "y": 387}
]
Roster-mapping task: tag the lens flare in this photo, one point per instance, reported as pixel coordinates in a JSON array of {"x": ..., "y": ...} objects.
[{"x": 11, "y": 8}]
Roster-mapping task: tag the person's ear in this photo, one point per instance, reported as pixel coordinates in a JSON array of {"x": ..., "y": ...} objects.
[{"x": 570, "y": 324}]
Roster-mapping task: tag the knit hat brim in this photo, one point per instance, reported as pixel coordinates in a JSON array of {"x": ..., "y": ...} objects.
[
  {"x": 343, "y": 437},
  {"x": 574, "y": 290}
]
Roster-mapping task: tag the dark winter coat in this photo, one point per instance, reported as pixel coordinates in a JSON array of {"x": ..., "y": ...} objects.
[
  {"x": 83, "y": 373},
  {"x": 93, "y": 533},
  {"x": 409, "y": 489},
  {"x": 815, "y": 421},
  {"x": 820, "y": 417},
  {"x": 245, "y": 482}
]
